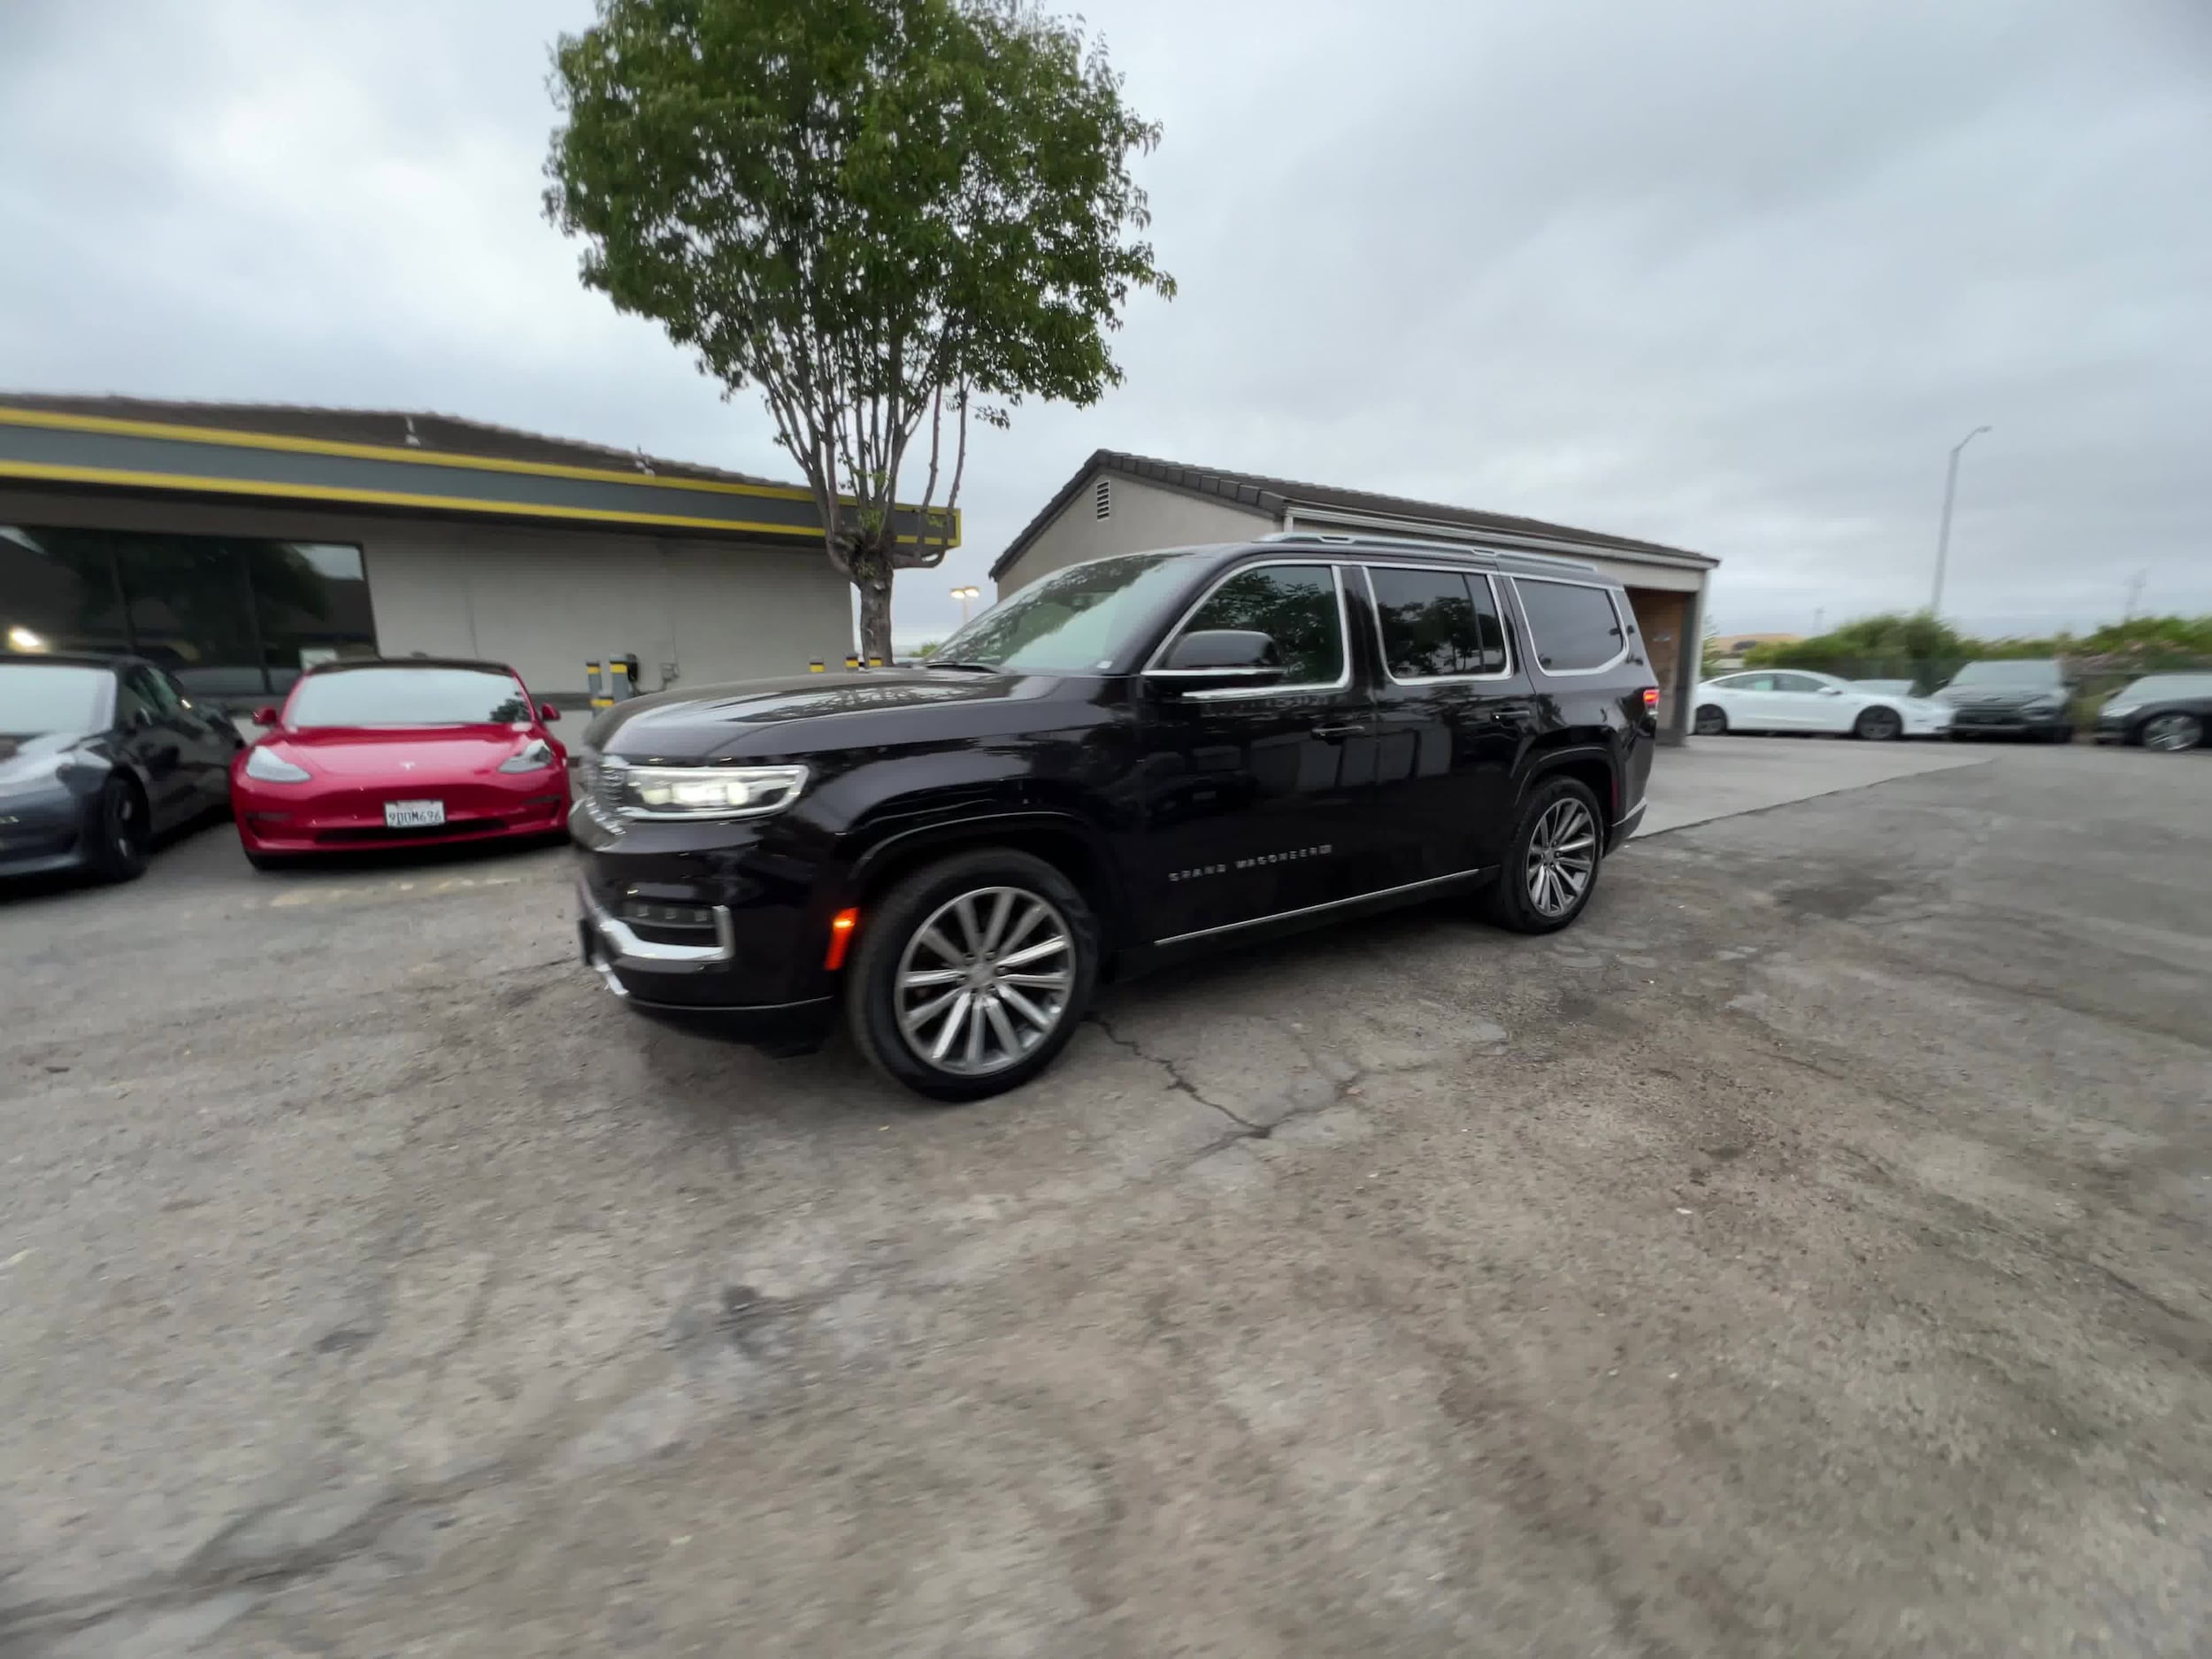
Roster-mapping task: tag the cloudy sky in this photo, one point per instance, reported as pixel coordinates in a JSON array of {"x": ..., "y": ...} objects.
[{"x": 1724, "y": 273}]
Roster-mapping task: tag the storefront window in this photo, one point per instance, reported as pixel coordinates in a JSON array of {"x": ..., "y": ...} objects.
[{"x": 234, "y": 617}]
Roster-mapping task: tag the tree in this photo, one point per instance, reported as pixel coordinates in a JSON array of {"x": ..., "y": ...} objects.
[{"x": 888, "y": 216}]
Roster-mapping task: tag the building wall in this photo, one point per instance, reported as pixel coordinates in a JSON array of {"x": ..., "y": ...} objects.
[
  {"x": 543, "y": 600},
  {"x": 1143, "y": 517}
]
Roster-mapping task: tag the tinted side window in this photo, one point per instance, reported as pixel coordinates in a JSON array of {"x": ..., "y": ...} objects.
[
  {"x": 132, "y": 701},
  {"x": 1795, "y": 682},
  {"x": 1573, "y": 628},
  {"x": 1436, "y": 623},
  {"x": 1293, "y": 604},
  {"x": 155, "y": 689}
]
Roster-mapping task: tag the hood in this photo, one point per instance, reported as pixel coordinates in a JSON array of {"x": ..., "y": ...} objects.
[
  {"x": 28, "y": 757},
  {"x": 810, "y": 711},
  {"x": 1998, "y": 696},
  {"x": 381, "y": 753}
]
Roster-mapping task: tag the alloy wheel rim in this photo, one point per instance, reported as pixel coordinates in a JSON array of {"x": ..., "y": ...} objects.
[
  {"x": 1881, "y": 723},
  {"x": 1563, "y": 856},
  {"x": 984, "y": 981},
  {"x": 2171, "y": 731},
  {"x": 124, "y": 824},
  {"x": 1709, "y": 721}
]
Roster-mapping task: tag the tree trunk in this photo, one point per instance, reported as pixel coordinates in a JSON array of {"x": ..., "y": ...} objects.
[{"x": 872, "y": 577}]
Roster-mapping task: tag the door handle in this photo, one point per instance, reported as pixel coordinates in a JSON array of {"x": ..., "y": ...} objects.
[{"x": 1351, "y": 728}]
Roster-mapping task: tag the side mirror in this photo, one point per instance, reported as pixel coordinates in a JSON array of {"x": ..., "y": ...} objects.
[
  {"x": 265, "y": 717},
  {"x": 1212, "y": 658},
  {"x": 548, "y": 713}
]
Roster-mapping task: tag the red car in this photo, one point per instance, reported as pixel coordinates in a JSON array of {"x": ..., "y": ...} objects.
[{"x": 418, "y": 752}]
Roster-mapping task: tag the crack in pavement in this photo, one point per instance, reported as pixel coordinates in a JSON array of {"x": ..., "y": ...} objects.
[{"x": 1245, "y": 1128}]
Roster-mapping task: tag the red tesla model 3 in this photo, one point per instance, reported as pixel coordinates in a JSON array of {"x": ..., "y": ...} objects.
[{"x": 419, "y": 751}]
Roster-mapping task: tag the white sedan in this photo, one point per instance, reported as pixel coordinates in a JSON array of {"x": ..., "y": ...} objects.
[{"x": 1791, "y": 699}]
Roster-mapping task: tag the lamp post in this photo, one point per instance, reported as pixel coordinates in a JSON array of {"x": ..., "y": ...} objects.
[
  {"x": 1943, "y": 536},
  {"x": 965, "y": 594}
]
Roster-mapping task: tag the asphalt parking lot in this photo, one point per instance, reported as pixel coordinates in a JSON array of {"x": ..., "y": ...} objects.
[{"x": 1806, "y": 1252}]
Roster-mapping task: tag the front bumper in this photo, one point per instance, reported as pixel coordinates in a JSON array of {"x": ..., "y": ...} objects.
[
  {"x": 2006, "y": 723},
  {"x": 44, "y": 832},
  {"x": 293, "y": 819}
]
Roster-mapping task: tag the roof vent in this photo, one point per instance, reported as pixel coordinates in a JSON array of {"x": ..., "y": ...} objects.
[{"x": 1104, "y": 497}]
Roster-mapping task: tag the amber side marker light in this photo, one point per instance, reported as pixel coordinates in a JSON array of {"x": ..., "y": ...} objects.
[{"x": 842, "y": 925}]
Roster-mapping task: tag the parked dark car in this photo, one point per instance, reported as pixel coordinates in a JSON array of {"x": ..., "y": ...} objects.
[
  {"x": 2025, "y": 698},
  {"x": 2162, "y": 711},
  {"x": 98, "y": 756},
  {"x": 1125, "y": 761}
]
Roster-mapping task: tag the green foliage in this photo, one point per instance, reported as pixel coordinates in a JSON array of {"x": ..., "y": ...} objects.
[
  {"x": 875, "y": 212},
  {"x": 1899, "y": 641}
]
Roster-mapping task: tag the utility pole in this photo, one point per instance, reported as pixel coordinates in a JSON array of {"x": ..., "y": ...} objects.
[
  {"x": 1943, "y": 536},
  {"x": 2135, "y": 592}
]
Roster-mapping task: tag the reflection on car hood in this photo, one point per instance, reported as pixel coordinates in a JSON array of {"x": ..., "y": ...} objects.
[
  {"x": 698, "y": 724},
  {"x": 28, "y": 756},
  {"x": 401, "y": 756}
]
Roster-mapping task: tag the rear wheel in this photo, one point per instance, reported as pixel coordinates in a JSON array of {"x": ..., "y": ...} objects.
[
  {"x": 2172, "y": 733},
  {"x": 971, "y": 975},
  {"x": 1878, "y": 725},
  {"x": 122, "y": 832},
  {"x": 1712, "y": 720},
  {"x": 1551, "y": 865}
]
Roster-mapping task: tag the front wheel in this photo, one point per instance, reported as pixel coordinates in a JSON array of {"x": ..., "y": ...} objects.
[
  {"x": 1551, "y": 863},
  {"x": 971, "y": 975},
  {"x": 1879, "y": 725},
  {"x": 2171, "y": 734},
  {"x": 122, "y": 832},
  {"x": 1711, "y": 721}
]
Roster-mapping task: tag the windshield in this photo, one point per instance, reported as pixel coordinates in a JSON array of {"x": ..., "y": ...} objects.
[
  {"x": 36, "y": 698},
  {"x": 2151, "y": 687},
  {"x": 408, "y": 696},
  {"x": 2005, "y": 674},
  {"x": 1074, "y": 621}
]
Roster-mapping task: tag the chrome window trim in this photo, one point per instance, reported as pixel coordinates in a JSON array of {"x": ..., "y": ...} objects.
[
  {"x": 1226, "y": 694},
  {"x": 1382, "y": 645},
  {"x": 1535, "y": 645}
]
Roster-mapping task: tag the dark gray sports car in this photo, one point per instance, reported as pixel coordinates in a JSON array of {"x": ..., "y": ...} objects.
[
  {"x": 2164, "y": 712},
  {"x": 98, "y": 756}
]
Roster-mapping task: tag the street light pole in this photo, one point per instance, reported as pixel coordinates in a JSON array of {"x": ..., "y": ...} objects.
[
  {"x": 963, "y": 595},
  {"x": 1943, "y": 536}
]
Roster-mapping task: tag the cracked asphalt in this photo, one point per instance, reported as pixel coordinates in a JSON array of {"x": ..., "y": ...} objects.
[{"x": 1806, "y": 1252}]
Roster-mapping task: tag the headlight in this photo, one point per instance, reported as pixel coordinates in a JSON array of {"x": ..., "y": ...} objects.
[
  {"x": 535, "y": 757},
  {"x": 2121, "y": 709},
  {"x": 2044, "y": 705},
  {"x": 699, "y": 792},
  {"x": 270, "y": 767}
]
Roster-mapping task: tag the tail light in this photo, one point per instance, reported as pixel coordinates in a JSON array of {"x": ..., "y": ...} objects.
[{"x": 1651, "y": 697}]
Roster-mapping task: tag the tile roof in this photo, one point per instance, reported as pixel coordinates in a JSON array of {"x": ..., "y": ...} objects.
[
  {"x": 1273, "y": 497},
  {"x": 398, "y": 429}
]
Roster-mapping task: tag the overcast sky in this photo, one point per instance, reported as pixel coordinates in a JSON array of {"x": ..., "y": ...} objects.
[{"x": 1726, "y": 274}]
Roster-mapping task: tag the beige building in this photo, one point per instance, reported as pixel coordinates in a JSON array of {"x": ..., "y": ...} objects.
[
  {"x": 237, "y": 544},
  {"x": 1127, "y": 503}
]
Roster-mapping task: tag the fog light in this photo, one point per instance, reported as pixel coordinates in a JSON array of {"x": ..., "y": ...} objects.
[{"x": 653, "y": 914}]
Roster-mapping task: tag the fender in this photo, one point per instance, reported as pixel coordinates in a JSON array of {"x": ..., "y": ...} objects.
[
  {"x": 1544, "y": 760},
  {"x": 884, "y": 845}
]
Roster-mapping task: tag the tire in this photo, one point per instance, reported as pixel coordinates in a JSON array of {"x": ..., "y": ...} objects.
[
  {"x": 918, "y": 928},
  {"x": 1711, "y": 721},
  {"x": 1522, "y": 899},
  {"x": 123, "y": 834},
  {"x": 2172, "y": 734},
  {"x": 1878, "y": 725}
]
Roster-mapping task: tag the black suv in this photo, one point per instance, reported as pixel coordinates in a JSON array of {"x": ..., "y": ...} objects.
[
  {"x": 2025, "y": 697},
  {"x": 1126, "y": 761}
]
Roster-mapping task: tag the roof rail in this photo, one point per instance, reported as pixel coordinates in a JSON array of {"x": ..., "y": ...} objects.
[{"x": 1360, "y": 538}]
